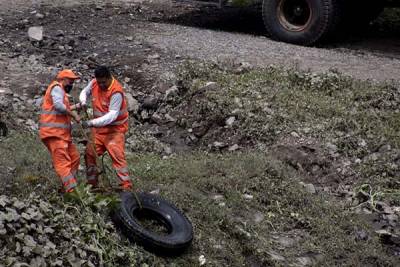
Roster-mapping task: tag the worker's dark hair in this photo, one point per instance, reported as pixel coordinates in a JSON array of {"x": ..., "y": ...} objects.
[{"x": 102, "y": 72}]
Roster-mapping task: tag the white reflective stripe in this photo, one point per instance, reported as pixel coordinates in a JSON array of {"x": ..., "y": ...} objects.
[
  {"x": 124, "y": 177},
  {"x": 67, "y": 178},
  {"x": 124, "y": 169},
  {"x": 55, "y": 125},
  {"x": 120, "y": 122},
  {"x": 52, "y": 112},
  {"x": 70, "y": 186}
]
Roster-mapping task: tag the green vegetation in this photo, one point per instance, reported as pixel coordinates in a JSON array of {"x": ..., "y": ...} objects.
[{"x": 247, "y": 207}]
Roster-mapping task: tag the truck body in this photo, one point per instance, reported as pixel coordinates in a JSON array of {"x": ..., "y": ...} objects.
[{"x": 306, "y": 22}]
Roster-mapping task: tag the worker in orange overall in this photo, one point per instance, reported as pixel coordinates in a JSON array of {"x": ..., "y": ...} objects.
[
  {"x": 55, "y": 128},
  {"x": 109, "y": 125}
]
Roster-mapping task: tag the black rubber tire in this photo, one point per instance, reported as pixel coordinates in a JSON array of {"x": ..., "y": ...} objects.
[
  {"x": 323, "y": 19},
  {"x": 179, "y": 236}
]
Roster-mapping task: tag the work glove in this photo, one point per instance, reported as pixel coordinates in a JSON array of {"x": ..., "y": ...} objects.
[{"x": 86, "y": 124}]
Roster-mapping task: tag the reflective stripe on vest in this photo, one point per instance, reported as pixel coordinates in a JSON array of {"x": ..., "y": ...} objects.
[
  {"x": 124, "y": 169},
  {"x": 67, "y": 178},
  {"x": 54, "y": 125},
  {"x": 71, "y": 185},
  {"x": 52, "y": 112},
  {"x": 119, "y": 122}
]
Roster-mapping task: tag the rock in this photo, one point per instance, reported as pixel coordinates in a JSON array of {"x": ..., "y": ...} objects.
[
  {"x": 305, "y": 261},
  {"x": 209, "y": 86},
  {"x": 362, "y": 235},
  {"x": 150, "y": 102},
  {"x": 169, "y": 118},
  {"x": 331, "y": 147},
  {"x": 229, "y": 122},
  {"x": 5, "y": 91},
  {"x": 275, "y": 256},
  {"x": 233, "y": 147},
  {"x": 36, "y": 33},
  {"x": 133, "y": 104},
  {"x": 310, "y": 188},
  {"x": 258, "y": 217},
  {"x": 217, "y": 197},
  {"x": 39, "y": 16},
  {"x": 202, "y": 260},
  {"x": 168, "y": 150},
  {"x": 286, "y": 242},
  {"x": 362, "y": 143},
  {"x": 144, "y": 114},
  {"x": 129, "y": 38},
  {"x": 154, "y": 56},
  {"x": 171, "y": 93},
  {"x": 295, "y": 135},
  {"x": 219, "y": 144},
  {"x": 248, "y": 197},
  {"x": 157, "y": 118}
]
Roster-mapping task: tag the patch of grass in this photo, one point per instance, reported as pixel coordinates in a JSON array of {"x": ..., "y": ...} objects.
[
  {"x": 359, "y": 117},
  {"x": 222, "y": 194},
  {"x": 238, "y": 204}
]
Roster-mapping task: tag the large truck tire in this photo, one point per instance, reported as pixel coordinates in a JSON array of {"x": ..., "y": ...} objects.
[
  {"x": 302, "y": 22},
  {"x": 180, "y": 231}
]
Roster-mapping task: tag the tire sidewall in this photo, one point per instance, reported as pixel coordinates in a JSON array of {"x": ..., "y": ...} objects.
[{"x": 177, "y": 240}]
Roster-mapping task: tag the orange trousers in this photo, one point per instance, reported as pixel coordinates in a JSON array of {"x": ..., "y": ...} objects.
[
  {"x": 114, "y": 144},
  {"x": 65, "y": 159}
]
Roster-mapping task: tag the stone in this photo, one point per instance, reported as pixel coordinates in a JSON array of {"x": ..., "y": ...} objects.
[
  {"x": 258, "y": 217},
  {"x": 36, "y": 33},
  {"x": 233, "y": 147},
  {"x": 171, "y": 92},
  {"x": 157, "y": 118},
  {"x": 310, "y": 188},
  {"x": 39, "y": 16},
  {"x": 150, "y": 102},
  {"x": 209, "y": 86},
  {"x": 169, "y": 118},
  {"x": 248, "y": 197},
  {"x": 133, "y": 104},
  {"x": 230, "y": 121}
]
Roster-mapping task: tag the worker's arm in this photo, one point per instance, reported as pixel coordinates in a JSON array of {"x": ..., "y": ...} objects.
[
  {"x": 85, "y": 94},
  {"x": 111, "y": 115},
  {"x": 57, "y": 95}
]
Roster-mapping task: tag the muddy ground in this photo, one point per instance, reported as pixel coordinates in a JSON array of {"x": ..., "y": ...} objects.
[{"x": 147, "y": 42}]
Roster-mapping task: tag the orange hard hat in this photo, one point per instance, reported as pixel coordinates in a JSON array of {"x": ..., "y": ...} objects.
[{"x": 67, "y": 73}]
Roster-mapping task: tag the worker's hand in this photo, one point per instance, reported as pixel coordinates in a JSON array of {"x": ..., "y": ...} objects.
[
  {"x": 83, "y": 106},
  {"x": 86, "y": 124}
]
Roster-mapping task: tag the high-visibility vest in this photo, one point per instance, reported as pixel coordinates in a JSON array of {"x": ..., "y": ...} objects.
[
  {"x": 101, "y": 104},
  {"x": 52, "y": 122}
]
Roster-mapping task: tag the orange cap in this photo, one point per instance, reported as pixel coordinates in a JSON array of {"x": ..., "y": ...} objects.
[{"x": 67, "y": 74}]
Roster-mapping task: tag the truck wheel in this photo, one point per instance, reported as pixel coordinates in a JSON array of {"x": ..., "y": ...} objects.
[
  {"x": 301, "y": 22},
  {"x": 178, "y": 232}
]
